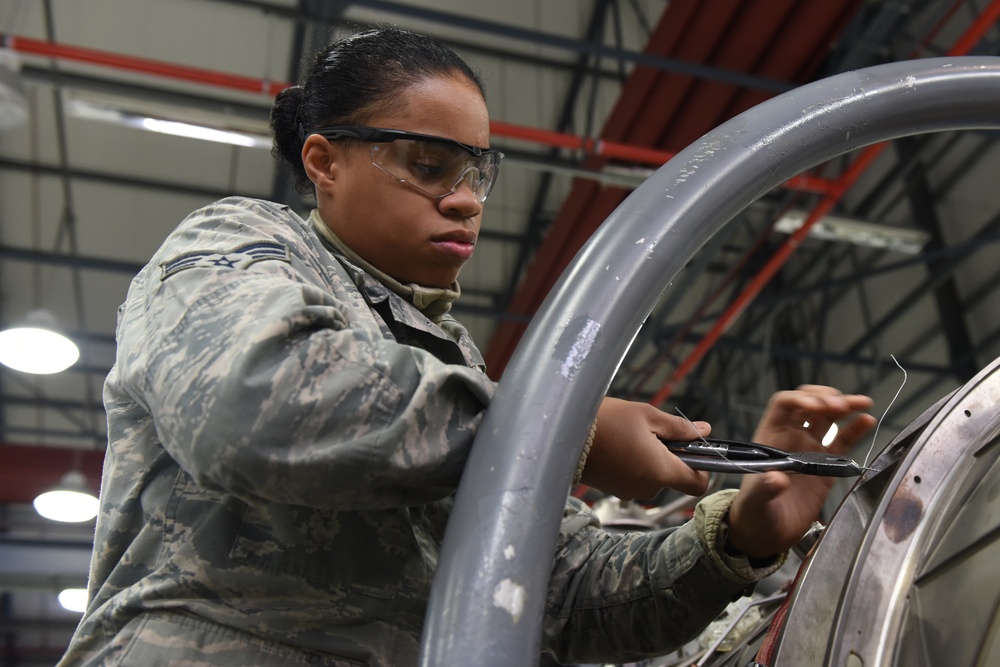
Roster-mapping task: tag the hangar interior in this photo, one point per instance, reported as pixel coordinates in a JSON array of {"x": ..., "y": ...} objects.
[{"x": 891, "y": 294}]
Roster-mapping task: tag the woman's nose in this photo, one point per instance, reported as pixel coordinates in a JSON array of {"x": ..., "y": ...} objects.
[{"x": 464, "y": 199}]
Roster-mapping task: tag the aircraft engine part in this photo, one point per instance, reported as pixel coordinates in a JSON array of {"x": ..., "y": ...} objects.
[{"x": 906, "y": 572}]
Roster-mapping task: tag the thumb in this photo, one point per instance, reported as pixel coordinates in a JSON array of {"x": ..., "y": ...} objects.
[{"x": 758, "y": 490}]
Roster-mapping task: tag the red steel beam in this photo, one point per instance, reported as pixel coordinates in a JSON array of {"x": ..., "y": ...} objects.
[
  {"x": 969, "y": 39},
  {"x": 597, "y": 202},
  {"x": 37, "y": 47},
  {"x": 636, "y": 154},
  {"x": 698, "y": 31}
]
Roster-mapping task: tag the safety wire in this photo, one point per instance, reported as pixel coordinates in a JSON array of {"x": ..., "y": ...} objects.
[
  {"x": 714, "y": 450},
  {"x": 879, "y": 424}
]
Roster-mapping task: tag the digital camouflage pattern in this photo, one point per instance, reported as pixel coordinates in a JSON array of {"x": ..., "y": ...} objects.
[{"x": 285, "y": 434}]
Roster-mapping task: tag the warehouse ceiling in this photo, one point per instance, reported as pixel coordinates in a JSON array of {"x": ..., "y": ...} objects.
[{"x": 86, "y": 197}]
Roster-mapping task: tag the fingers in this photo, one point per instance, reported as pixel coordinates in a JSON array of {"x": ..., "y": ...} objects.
[
  {"x": 816, "y": 405},
  {"x": 685, "y": 479},
  {"x": 674, "y": 427},
  {"x": 800, "y": 419},
  {"x": 816, "y": 401},
  {"x": 852, "y": 432},
  {"x": 628, "y": 460}
]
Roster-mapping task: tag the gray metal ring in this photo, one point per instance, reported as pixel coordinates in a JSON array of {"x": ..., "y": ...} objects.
[{"x": 487, "y": 601}]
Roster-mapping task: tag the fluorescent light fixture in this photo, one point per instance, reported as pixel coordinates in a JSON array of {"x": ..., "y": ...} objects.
[
  {"x": 74, "y": 599},
  {"x": 858, "y": 232},
  {"x": 209, "y": 130},
  {"x": 190, "y": 131},
  {"x": 70, "y": 501},
  {"x": 34, "y": 346},
  {"x": 13, "y": 103}
]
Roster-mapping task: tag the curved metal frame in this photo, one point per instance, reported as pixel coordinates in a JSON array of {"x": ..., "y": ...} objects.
[
  {"x": 488, "y": 596},
  {"x": 892, "y": 531}
]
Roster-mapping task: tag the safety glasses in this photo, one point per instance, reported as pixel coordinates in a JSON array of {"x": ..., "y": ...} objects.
[{"x": 434, "y": 165}]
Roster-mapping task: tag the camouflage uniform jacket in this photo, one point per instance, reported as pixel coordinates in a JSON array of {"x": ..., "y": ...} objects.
[{"x": 285, "y": 435}]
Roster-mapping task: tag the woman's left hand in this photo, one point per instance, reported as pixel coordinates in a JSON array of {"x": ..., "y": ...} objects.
[{"x": 773, "y": 510}]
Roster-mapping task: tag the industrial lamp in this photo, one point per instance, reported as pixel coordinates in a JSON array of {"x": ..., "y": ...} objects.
[
  {"x": 69, "y": 501},
  {"x": 13, "y": 103},
  {"x": 34, "y": 346},
  {"x": 73, "y": 599}
]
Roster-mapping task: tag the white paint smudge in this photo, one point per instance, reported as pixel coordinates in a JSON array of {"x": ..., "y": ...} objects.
[
  {"x": 581, "y": 348},
  {"x": 509, "y": 552},
  {"x": 510, "y": 597}
]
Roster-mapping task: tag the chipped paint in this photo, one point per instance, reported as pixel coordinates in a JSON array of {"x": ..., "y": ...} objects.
[
  {"x": 510, "y": 597},
  {"x": 509, "y": 552},
  {"x": 580, "y": 348}
]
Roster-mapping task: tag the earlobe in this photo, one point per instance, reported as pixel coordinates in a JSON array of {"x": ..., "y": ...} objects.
[{"x": 319, "y": 161}]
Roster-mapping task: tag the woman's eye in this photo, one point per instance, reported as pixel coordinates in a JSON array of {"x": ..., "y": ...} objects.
[{"x": 427, "y": 170}]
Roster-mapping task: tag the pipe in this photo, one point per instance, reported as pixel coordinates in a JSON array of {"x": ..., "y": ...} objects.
[
  {"x": 488, "y": 596},
  {"x": 588, "y": 145},
  {"x": 840, "y": 186},
  {"x": 37, "y": 47}
]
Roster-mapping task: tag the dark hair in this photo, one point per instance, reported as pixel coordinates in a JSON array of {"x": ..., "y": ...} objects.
[{"x": 352, "y": 79}]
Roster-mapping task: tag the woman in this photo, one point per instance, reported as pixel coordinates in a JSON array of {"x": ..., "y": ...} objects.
[{"x": 292, "y": 406}]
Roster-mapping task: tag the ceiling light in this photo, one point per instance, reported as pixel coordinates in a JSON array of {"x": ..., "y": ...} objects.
[
  {"x": 13, "y": 104},
  {"x": 190, "y": 131},
  {"x": 212, "y": 128},
  {"x": 69, "y": 501},
  {"x": 858, "y": 232},
  {"x": 34, "y": 346},
  {"x": 74, "y": 599}
]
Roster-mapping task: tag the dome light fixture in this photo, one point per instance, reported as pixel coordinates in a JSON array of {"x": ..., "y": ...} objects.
[
  {"x": 70, "y": 501},
  {"x": 74, "y": 599},
  {"x": 34, "y": 346}
]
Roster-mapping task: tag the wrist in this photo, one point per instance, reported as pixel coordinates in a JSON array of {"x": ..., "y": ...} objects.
[
  {"x": 733, "y": 550},
  {"x": 587, "y": 445}
]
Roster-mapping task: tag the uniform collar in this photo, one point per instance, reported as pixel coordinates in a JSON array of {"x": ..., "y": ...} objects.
[{"x": 433, "y": 302}]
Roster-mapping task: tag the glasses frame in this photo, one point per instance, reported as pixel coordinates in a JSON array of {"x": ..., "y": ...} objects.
[{"x": 381, "y": 135}]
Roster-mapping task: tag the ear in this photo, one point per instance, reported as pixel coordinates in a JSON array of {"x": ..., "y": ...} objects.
[{"x": 321, "y": 159}]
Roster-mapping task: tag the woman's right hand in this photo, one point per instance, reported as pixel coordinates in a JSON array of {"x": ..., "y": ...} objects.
[{"x": 628, "y": 460}]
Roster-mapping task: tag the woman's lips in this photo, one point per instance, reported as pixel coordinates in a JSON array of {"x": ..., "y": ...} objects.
[
  {"x": 458, "y": 249},
  {"x": 460, "y": 245}
]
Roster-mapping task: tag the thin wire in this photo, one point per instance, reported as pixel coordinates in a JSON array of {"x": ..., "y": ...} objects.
[
  {"x": 887, "y": 408},
  {"x": 714, "y": 450},
  {"x": 691, "y": 424}
]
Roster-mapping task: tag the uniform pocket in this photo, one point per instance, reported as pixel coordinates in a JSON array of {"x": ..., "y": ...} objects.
[{"x": 348, "y": 553}]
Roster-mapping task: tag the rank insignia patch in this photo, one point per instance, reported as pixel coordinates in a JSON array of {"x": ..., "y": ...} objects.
[{"x": 238, "y": 258}]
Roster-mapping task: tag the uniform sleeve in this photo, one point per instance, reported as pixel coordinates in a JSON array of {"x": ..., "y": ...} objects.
[
  {"x": 628, "y": 596},
  {"x": 260, "y": 386}
]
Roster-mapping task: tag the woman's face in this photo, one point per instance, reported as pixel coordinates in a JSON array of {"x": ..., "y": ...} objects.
[{"x": 402, "y": 231}]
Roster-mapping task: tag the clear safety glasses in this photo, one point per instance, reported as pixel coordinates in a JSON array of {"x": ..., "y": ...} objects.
[{"x": 434, "y": 165}]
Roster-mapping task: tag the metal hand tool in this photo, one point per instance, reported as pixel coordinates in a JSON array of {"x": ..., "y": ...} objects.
[{"x": 738, "y": 456}]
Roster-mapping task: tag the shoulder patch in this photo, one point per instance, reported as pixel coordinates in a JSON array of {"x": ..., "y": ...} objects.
[{"x": 237, "y": 258}]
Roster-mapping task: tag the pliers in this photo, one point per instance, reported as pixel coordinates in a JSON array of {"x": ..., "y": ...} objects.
[{"x": 739, "y": 456}]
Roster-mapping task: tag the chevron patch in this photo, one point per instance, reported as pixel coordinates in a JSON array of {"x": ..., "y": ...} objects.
[{"x": 238, "y": 258}]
